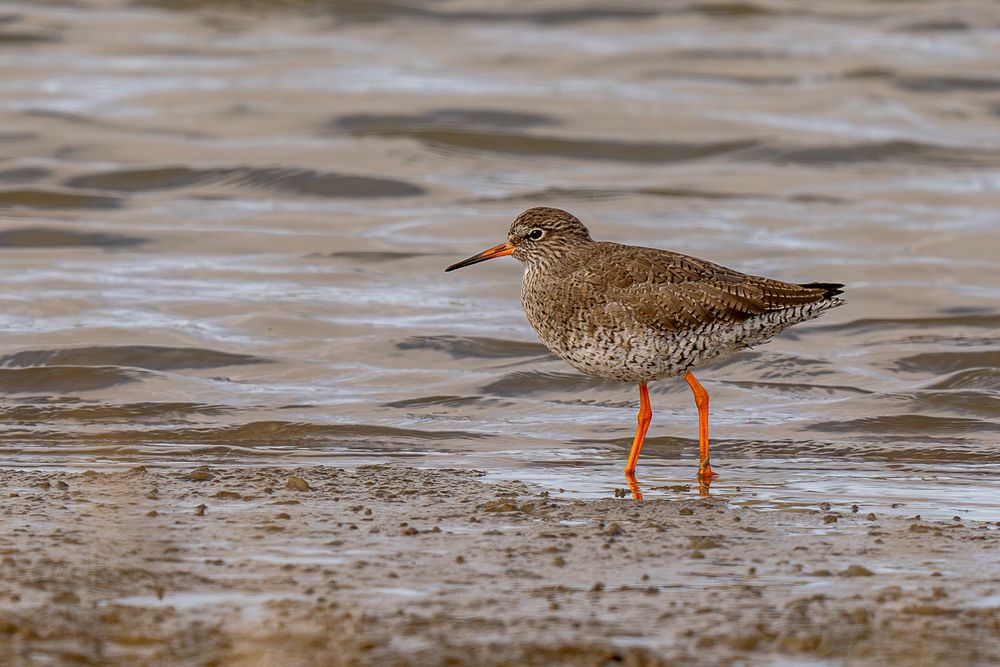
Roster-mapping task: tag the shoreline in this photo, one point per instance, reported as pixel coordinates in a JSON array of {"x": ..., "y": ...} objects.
[{"x": 391, "y": 564}]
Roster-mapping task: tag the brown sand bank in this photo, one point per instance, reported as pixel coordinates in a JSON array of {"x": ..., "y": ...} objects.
[{"x": 394, "y": 565}]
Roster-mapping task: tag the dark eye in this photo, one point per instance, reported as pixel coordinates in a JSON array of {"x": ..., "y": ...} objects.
[{"x": 536, "y": 234}]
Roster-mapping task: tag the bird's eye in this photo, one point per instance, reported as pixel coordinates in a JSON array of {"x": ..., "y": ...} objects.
[{"x": 536, "y": 234}]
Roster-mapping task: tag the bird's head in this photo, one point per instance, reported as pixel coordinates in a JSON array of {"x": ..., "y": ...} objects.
[{"x": 539, "y": 236}]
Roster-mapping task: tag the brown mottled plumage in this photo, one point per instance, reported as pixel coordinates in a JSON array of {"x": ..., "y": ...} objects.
[{"x": 637, "y": 314}]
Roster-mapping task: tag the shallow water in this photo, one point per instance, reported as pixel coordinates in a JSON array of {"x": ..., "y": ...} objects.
[{"x": 225, "y": 224}]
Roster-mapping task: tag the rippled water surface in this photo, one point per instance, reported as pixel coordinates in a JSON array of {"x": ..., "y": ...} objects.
[{"x": 224, "y": 226}]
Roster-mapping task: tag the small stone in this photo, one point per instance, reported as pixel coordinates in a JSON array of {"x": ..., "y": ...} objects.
[
  {"x": 460, "y": 559},
  {"x": 613, "y": 529},
  {"x": 200, "y": 510},
  {"x": 871, "y": 516},
  {"x": 201, "y": 474},
  {"x": 298, "y": 484},
  {"x": 499, "y": 506},
  {"x": 597, "y": 587},
  {"x": 700, "y": 543},
  {"x": 152, "y": 513},
  {"x": 856, "y": 571},
  {"x": 62, "y": 485},
  {"x": 685, "y": 511},
  {"x": 830, "y": 518}
]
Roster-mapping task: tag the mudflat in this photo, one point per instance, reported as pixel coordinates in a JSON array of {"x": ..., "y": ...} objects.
[{"x": 394, "y": 565}]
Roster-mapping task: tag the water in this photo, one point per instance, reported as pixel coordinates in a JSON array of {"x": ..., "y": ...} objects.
[{"x": 224, "y": 227}]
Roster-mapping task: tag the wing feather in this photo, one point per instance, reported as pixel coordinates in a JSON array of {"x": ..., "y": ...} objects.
[{"x": 671, "y": 292}]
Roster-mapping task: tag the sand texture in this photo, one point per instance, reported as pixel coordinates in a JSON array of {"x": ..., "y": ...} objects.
[{"x": 394, "y": 565}]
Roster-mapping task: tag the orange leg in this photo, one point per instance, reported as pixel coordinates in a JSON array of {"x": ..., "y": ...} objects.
[
  {"x": 701, "y": 400},
  {"x": 645, "y": 416}
]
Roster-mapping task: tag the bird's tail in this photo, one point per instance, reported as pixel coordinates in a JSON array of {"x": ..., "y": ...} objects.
[{"x": 830, "y": 290}]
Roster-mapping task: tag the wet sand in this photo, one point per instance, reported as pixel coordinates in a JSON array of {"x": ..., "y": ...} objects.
[
  {"x": 224, "y": 225},
  {"x": 396, "y": 565}
]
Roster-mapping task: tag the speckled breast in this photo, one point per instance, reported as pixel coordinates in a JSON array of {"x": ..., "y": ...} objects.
[{"x": 604, "y": 341}]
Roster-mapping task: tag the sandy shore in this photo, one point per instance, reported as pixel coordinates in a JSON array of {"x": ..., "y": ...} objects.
[{"x": 394, "y": 565}]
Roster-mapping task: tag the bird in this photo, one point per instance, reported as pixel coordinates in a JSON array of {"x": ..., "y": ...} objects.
[{"x": 636, "y": 314}]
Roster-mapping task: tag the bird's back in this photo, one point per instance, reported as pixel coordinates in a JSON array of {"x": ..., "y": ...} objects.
[{"x": 635, "y": 314}]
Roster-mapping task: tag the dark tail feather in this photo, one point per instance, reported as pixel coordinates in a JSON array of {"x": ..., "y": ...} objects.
[{"x": 830, "y": 289}]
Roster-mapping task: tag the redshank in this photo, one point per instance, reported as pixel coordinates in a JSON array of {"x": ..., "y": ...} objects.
[{"x": 635, "y": 314}]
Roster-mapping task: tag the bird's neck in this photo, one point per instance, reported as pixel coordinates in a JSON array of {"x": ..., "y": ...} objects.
[{"x": 555, "y": 261}]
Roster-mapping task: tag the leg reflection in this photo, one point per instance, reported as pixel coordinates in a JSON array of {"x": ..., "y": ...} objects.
[
  {"x": 633, "y": 484},
  {"x": 704, "y": 485}
]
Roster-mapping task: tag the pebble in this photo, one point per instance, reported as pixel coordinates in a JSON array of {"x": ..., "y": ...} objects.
[
  {"x": 201, "y": 474},
  {"x": 298, "y": 484},
  {"x": 499, "y": 506},
  {"x": 614, "y": 529}
]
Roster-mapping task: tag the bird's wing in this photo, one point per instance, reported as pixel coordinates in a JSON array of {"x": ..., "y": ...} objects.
[{"x": 673, "y": 292}]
